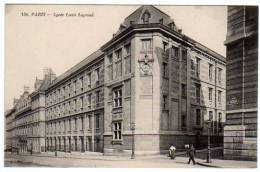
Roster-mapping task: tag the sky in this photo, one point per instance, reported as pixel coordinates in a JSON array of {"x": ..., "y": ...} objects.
[{"x": 35, "y": 42}]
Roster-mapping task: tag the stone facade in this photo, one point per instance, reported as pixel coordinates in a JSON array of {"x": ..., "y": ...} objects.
[
  {"x": 148, "y": 87},
  {"x": 9, "y": 116},
  {"x": 158, "y": 93},
  {"x": 74, "y": 109},
  {"x": 240, "y": 141}
]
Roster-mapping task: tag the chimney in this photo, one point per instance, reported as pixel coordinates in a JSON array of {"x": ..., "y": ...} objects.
[
  {"x": 37, "y": 83},
  {"x": 15, "y": 101},
  {"x": 26, "y": 89},
  {"x": 48, "y": 73}
]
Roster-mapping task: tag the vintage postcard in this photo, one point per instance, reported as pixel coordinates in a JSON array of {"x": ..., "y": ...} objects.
[{"x": 131, "y": 86}]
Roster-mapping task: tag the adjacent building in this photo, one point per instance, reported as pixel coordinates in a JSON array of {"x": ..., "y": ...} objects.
[
  {"x": 240, "y": 141},
  {"x": 150, "y": 86},
  {"x": 8, "y": 128}
]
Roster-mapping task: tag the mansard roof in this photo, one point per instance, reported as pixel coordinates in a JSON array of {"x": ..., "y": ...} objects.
[
  {"x": 157, "y": 19},
  {"x": 154, "y": 16}
]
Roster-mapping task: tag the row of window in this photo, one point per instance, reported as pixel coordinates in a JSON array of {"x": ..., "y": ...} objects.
[
  {"x": 23, "y": 103},
  {"x": 73, "y": 124},
  {"x": 198, "y": 121},
  {"x": 74, "y": 105},
  {"x": 194, "y": 66},
  {"x": 27, "y": 119},
  {"x": 31, "y": 130},
  {"x": 74, "y": 87},
  {"x": 117, "y": 62},
  {"x": 210, "y": 93}
]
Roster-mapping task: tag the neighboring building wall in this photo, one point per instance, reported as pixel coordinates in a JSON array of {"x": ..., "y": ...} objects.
[
  {"x": 22, "y": 118},
  {"x": 9, "y": 116},
  {"x": 74, "y": 110},
  {"x": 37, "y": 136},
  {"x": 240, "y": 141}
]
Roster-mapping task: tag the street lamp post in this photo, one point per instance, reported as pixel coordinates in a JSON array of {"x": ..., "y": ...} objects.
[
  {"x": 209, "y": 151},
  {"x": 133, "y": 140}
]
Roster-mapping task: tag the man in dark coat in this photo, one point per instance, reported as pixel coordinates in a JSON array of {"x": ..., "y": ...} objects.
[{"x": 191, "y": 153}]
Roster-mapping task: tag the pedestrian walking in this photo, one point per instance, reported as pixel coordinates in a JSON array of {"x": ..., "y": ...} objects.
[
  {"x": 191, "y": 153},
  {"x": 172, "y": 150}
]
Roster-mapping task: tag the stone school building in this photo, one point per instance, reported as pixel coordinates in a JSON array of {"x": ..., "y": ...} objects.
[{"x": 148, "y": 87}]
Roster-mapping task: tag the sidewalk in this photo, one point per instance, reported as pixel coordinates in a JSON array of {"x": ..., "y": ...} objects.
[
  {"x": 71, "y": 159},
  {"x": 219, "y": 163}
]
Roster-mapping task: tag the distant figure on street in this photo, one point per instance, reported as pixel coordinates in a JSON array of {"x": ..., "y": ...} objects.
[
  {"x": 172, "y": 150},
  {"x": 191, "y": 153}
]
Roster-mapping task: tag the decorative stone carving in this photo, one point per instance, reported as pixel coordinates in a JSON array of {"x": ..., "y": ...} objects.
[{"x": 146, "y": 66}]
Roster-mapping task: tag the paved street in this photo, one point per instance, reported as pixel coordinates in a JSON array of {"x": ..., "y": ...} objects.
[{"x": 158, "y": 161}]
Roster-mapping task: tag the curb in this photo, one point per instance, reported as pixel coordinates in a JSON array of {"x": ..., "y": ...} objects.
[{"x": 207, "y": 165}]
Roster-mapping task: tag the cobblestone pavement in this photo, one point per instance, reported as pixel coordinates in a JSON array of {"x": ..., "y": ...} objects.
[{"x": 158, "y": 161}]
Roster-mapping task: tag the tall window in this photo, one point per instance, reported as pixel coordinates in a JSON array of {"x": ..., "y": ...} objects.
[
  {"x": 74, "y": 86},
  {"x": 75, "y": 124},
  {"x": 210, "y": 94},
  {"x": 117, "y": 130},
  {"x": 59, "y": 94},
  {"x": 197, "y": 67},
  {"x": 183, "y": 91},
  {"x": 75, "y": 104},
  {"x": 198, "y": 116},
  {"x": 175, "y": 51},
  {"x": 82, "y": 123},
  {"x": 165, "y": 102},
  {"x": 89, "y": 122},
  {"x": 165, "y": 69},
  {"x": 69, "y": 124},
  {"x": 89, "y": 101},
  {"x": 89, "y": 80},
  {"x": 97, "y": 121},
  {"x": 97, "y": 98},
  {"x": 219, "y": 75},
  {"x": 81, "y": 83},
  {"x": 128, "y": 59},
  {"x": 68, "y": 88},
  {"x": 64, "y": 125},
  {"x": 184, "y": 56},
  {"x": 81, "y": 103},
  {"x": 128, "y": 49},
  {"x": 146, "y": 44},
  {"x": 110, "y": 66},
  {"x": 117, "y": 97},
  {"x": 210, "y": 72},
  {"x": 220, "y": 120},
  {"x": 165, "y": 47},
  {"x": 197, "y": 87},
  {"x": 59, "y": 110},
  {"x": 97, "y": 76},
  {"x": 63, "y": 91},
  {"x": 192, "y": 66},
  {"x": 219, "y": 96},
  {"x": 183, "y": 122},
  {"x": 210, "y": 115},
  {"x": 118, "y": 63}
]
